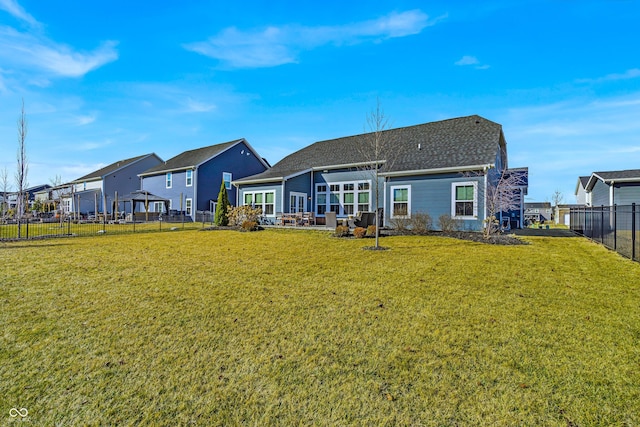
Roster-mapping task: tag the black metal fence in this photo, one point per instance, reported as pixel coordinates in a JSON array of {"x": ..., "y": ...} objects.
[
  {"x": 616, "y": 227},
  {"x": 34, "y": 228}
]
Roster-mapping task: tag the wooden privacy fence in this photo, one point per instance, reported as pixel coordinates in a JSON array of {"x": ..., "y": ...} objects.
[{"x": 615, "y": 227}]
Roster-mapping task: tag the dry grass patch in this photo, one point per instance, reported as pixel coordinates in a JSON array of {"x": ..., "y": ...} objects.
[{"x": 288, "y": 327}]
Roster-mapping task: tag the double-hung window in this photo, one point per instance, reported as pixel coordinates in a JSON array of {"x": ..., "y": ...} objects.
[
  {"x": 265, "y": 200},
  {"x": 401, "y": 201},
  {"x": 188, "y": 206},
  {"x": 226, "y": 177},
  {"x": 464, "y": 200},
  {"x": 343, "y": 198},
  {"x": 169, "y": 180},
  {"x": 189, "y": 177}
]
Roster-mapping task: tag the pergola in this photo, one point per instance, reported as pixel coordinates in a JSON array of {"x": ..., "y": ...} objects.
[{"x": 144, "y": 197}]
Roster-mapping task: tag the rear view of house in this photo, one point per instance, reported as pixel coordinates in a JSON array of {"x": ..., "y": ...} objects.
[
  {"x": 439, "y": 168},
  {"x": 191, "y": 180}
]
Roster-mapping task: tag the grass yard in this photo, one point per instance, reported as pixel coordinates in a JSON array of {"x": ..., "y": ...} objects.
[{"x": 288, "y": 327}]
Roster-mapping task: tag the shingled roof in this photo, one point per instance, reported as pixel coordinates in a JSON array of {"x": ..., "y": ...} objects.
[
  {"x": 629, "y": 175},
  {"x": 190, "y": 159},
  {"x": 460, "y": 142},
  {"x": 100, "y": 173}
]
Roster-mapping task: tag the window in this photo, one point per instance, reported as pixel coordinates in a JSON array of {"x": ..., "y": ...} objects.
[
  {"x": 188, "y": 206},
  {"x": 464, "y": 200},
  {"x": 266, "y": 200},
  {"x": 189, "y": 175},
  {"x": 345, "y": 198},
  {"x": 169, "y": 177},
  {"x": 226, "y": 177},
  {"x": 158, "y": 207},
  {"x": 401, "y": 201}
]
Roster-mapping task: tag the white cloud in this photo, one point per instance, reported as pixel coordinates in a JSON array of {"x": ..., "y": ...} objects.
[
  {"x": 629, "y": 74},
  {"x": 194, "y": 106},
  {"x": 17, "y": 11},
  {"x": 468, "y": 60},
  {"x": 275, "y": 46},
  {"x": 34, "y": 52},
  {"x": 84, "y": 120}
]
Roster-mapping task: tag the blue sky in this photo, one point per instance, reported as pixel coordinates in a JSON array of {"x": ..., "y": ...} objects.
[{"x": 104, "y": 81}]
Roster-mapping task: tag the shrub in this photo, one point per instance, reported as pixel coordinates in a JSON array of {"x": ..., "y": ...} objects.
[
  {"x": 421, "y": 222},
  {"x": 222, "y": 207},
  {"x": 359, "y": 232},
  {"x": 239, "y": 214},
  {"x": 249, "y": 226},
  {"x": 371, "y": 230},
  {"x": 400, "y": 223},
  {"x": 448, "y": 224},
  {"x": 341, "y": 231}
]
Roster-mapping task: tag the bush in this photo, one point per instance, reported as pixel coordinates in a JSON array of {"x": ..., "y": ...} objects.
[
  {"x": 240, "y": 214},
  {"x": 341, "y": 231},
  {"x": 448, "y": 224},
  {"x": 249, "y": 226},
  {"x": 421, "y": 222},
  {"x": 359, "y": 232},
  {"x": 371, "y": 231},
  {"x": 400, "y": 223}
]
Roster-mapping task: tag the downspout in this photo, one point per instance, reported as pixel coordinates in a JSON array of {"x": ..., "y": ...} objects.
[
  {"x": 611, "y": 193},
  {"x": 282, "y": 198},
  {"x": 384, "y": 203},
  {"x": 312, "y": 196},
  {"x": 484, "y": 210},
  {"x": 194, "y": 207}
]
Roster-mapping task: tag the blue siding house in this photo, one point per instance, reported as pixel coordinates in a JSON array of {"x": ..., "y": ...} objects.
[
  {"x": 438, "y": 168},
  {"x": 97, "y": 191},
  {"x": 191, "y": 180},
  {"x": 613, "y": 188}
]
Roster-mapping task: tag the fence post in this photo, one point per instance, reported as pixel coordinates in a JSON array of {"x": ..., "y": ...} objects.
[
  {"x": 615, "y": 227},
  {"x": 633, "y": 231}
]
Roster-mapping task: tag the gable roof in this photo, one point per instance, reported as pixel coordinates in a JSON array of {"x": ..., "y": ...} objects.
[
  {"x": 460, "y": 143},
  {"x": 629, "y": 175},
  {"x": 193, "y": 158},
  {"x": 98, "y": 174},
  {"x": 582, "y": 183}
]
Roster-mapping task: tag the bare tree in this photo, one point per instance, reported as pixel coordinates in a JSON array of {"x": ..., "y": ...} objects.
[
  {"x": 504, "y": 195},
  {"x": 376, "y": 151},
  {"x": 4, "y": 187},
  {"x": 557, "y": 197},
  {"x": 22, "y": 163}
]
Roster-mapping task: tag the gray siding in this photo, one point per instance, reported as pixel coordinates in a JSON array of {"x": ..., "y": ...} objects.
[
  {"x": 600, "y": 194},
  {"x": 432, "y": 194},
  {"x": 626, "y": 193},
  {"x": 251, "y": 188},
  {"x": 298, "y": 184}
]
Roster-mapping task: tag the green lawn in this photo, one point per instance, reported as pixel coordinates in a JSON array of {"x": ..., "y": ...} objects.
[{"x": 288, "y": 327}]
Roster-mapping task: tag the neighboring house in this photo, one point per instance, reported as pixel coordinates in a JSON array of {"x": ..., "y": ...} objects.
[
  {"x": 191, "y": 180},
  {"x": 538, "y": 212},
  {"x": 613, "y": 188},
  {"x": 521, "y": 186},
  {"x": 582, "y": 197},
  {"x": 98, "y": 191},
  {"x": 562, "y": 213},
  {"x": 30, "y": 196},
  {"x": 437, "y": 168}
]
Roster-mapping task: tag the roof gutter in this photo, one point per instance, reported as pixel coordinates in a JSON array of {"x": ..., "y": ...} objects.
[
  {"x": 167, "y": 170},
  {"x": 483, "y": 168}
]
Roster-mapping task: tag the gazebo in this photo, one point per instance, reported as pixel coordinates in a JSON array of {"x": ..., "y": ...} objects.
[{"x": 144, "y": 197}]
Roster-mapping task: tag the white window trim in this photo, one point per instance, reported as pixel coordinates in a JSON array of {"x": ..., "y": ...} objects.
[
  {"x": 227, "y": 180},
  {"x": 400, "y": 187},
  {"x": 298, "y": 194},
  {"x": 168, "y": 180},
  {"x": 186, "y": 178},
  {"x": 355, "y": 192},
  {"x": 264, "y": 200},
  {"x": 475, "y": 200},
  {"x": 188, "y": 206}
]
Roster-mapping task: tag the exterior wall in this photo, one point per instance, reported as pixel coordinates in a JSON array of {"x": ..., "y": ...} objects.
[
  {"x": 275, "y": 187},
  {"x": 348, "y": 176},
  {"x": 581, "y": 196},
  {"x": 600, "y": 194},
  {"x": 157, "y": 185},
  {"x": 238, "y": 160},
  {"x": 299, "y": 184},
  {"x": 433, "y": 194},
  {"x": 626, "y": 193}
]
